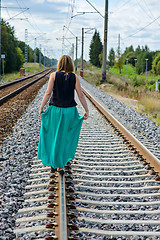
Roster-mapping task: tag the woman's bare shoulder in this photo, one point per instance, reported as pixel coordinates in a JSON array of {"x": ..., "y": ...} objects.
[{"x": 53, "y": 74}]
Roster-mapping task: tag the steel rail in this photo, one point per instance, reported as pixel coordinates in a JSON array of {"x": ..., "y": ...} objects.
[
  {"x": 60, "y": 205},
  {"x": 20, "y": 80},
  {"x": 61, "y": 218},
  {"x": 17, "y": 91},
  {"x": 152, "y": 159}
]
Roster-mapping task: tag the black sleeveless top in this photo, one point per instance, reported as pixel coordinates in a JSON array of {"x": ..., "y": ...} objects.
[{"x": 63, "y": 90}]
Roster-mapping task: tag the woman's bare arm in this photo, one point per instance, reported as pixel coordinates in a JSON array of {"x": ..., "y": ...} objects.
[
  {"x": 82, "y": 98},
  {"x": 48, "y": 91}
]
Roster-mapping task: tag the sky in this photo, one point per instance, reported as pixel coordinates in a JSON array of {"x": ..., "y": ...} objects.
[{"x": 51, "y": 21}]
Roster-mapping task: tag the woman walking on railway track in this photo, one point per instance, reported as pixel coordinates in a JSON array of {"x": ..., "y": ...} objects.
[{"x": 61, "y": 123}]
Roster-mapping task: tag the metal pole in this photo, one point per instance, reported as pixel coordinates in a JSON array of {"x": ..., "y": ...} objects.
[
  {"x": 72, "y": 51},
  {"x": 126, "y": 66},
  {"x": 44, "y": 57},
  {"x": 146, "y": 68},
  {"x": 0, "y": 41},
  {"x": 3, "y": 68},
  {"x": 63, "y": 41},
  {"x": 76, "y": 54},
  {"x": 35, "y": 54},
  {"x": 82, "y": 48},
  {"x": 40, "y": 56},
  {"x": 119, "y": 46},
  {"x": 26, "y": 49},
  {"x": 105, "y": 42},
  {"x": 135, "y": 66}
]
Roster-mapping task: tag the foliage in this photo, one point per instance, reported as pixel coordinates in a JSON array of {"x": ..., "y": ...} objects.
[
  {"x": 14, "y": 50},
  {"x": 95, "y": 49},
  {"x": 111, "y": 57},
  {"x": 156, "y": 65},
  {"x": 20, "y": 58},
  {"x": 141, "y": 62},
  {"x": 21, "y": 45},
  {"x": 13, "y": 58},
  {"x": 140, "y": 53},
  {"x": 101, "y": 57},
  {"x": 118, "y": 61}
]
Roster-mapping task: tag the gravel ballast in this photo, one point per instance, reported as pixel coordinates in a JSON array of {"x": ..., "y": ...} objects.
[
  {"x": 20, "y": 147},
  {"x": 141, "y": 127}
]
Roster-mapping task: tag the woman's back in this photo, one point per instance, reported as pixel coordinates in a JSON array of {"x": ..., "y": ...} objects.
[{"x": 63, "y": 90}]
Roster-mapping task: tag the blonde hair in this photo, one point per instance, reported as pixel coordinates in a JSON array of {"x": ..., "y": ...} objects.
[{"x": 65, "y": 63}]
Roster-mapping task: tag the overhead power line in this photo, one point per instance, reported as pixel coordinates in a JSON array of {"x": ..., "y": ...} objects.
[
  {"x": 95, "y": 8},
  {"x": 142, "y": 28},
  {"x": 125, "y": 3},
  {"x": 70, "y": 31},
  {"x": 17, "y": 14},
  {"x": 150, "y": 10},
  {"x": 38, "y": 33}
]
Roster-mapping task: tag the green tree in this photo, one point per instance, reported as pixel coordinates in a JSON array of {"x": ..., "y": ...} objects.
[
  {"x": 20, "y": 58},
  {"x": 101, "y": 57},
  {"x": 95, "y": 49},
  {"x": 118, "y": 61},
  {"x": 156, "y": 65},
  {"x": 13, "y": 55},
  {"x": 111, "y": 57},
  {"x": 21, "y": 45},
  {"x": 141, "y": 61},
  {"x": 129, "y": 54}
]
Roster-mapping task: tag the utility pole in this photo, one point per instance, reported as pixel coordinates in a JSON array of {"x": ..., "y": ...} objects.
[
  {"x": 35, "y": 40},
  {"x": 40, "y": 56},
  {"x": 81, "y": 72},
  {"x": 72, "y": 53},
  {"x": 44, "y": 57},
  {"x": 63, "y": 41},
  {"x": 26, "y": 49},
  {"x": 76, "y": 54},
  {"x": 146, "y": 68},
  {"x": 105, "y": 42},
  {"x": 119, "y": 46},
  {"x": 135, "y": 66}
]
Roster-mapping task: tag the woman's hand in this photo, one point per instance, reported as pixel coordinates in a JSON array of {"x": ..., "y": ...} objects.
[
  {"x": 40, "y": 111},
  {"x": 86, "y": 115}
]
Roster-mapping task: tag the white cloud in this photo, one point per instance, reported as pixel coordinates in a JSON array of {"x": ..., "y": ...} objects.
[{"x": 125, "y": 19}]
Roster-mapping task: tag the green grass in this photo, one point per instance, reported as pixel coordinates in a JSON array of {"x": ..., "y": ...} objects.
[
  {"x": 8, "y": 77},
  {"x": 128, "y": 72},
  {"x": 126, "y": 84}
]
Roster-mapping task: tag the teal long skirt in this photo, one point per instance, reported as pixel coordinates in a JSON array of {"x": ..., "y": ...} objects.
[{"x": 59, "y": 135}]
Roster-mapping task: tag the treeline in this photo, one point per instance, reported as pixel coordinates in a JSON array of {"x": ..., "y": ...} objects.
[
  {"x": 132, "y": 56},
  {"x": 14, "y": 50}
]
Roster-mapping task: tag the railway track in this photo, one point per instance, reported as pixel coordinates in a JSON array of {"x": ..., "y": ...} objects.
[
  {"x": 15, "y": 97},
  {"x": 111, "y": 190},
  {"x": 11, "y": 89}
]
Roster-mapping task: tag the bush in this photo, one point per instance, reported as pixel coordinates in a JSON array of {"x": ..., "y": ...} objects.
[{"x": 156, "y": 65}]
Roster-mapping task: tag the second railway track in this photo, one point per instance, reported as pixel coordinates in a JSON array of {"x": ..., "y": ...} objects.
[
  {"x": 9, "y": 90},
  {"x": 16, "y": 98},
  {"x": 116, "y": 191}
]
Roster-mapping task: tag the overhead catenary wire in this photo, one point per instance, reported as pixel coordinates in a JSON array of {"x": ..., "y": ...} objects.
[
  {"x": 17, "y": 15},
  {"x": 142, "y": 28},
  {"x": 117, "y": 9},
  {"x": 95, "y": 8},
  {"x": 38, "y": 33},
  {"x": 142, "y": 8},
  {"x": 150, "y": 11},
  {"x": 31, "y": 17}
]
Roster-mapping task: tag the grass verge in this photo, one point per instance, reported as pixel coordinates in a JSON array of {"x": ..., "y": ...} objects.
[
  {"x": 148, "y": 101},
  {"x": 8, "y": 77}
]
